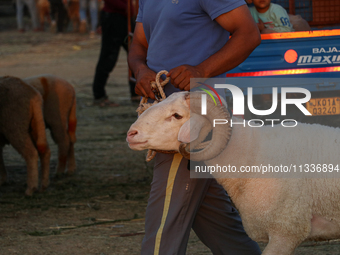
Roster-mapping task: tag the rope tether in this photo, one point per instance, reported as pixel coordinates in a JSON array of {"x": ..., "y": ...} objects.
[{"x": 157, "y": 88}]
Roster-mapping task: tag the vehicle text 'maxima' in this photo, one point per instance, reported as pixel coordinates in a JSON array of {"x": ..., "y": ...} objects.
[{"x": 327, "y": 57}]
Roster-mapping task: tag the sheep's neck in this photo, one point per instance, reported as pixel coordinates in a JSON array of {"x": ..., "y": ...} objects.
[
  {"x": 236, "y": 154},
  {"x": 235, "y": 187}
]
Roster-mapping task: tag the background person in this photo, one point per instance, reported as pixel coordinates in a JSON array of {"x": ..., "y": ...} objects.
[
  {"x": 190, "y": 39},
  {"x": 32, "y": 7},
  {"x": 271, "y": 18},
  {"x": 58, "y": 15},
  {"x": 93, "y": 10},
  {"x": 114, "y": 27}
]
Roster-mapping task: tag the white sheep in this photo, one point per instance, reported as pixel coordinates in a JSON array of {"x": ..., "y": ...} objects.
[
  {"x": 22, "y": 126},
  {"x": 281, "y": 211},
  {"x": 59, "y": 115}
]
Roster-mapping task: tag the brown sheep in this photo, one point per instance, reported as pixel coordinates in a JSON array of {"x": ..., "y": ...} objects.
[
  {"x": 22, "y": 126},
  {"x": 73, "y": 13},
  {"x": 43, "y": 7},
  {"x": 60, "y": 116}
]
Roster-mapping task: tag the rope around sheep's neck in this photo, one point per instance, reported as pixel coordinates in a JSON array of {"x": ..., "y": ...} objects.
[{"x": 157, "y": 88}]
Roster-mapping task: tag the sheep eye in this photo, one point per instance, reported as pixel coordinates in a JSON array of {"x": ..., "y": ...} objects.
[{"x": 177, "y": 116}]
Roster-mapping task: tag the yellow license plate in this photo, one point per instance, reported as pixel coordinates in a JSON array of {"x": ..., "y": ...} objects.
[{"x": 324, "y": 106}]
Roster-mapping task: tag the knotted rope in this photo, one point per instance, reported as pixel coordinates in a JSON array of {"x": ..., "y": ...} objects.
[{"x": 157, "y": 88}]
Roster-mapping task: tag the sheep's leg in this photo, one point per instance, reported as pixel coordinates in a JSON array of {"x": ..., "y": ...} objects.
[
  {"x": 45, "y": 168},
  {"x": 3, "y": 172},
  {"x": 32, "y": 173},
  {"x": 71, "y": 161},
  {"x": 62, "y": 158},
  {"x": 63, "y": 149},
  {"x": 61, "y": 138},
  {"x": 75, "y": 25},
  {"x": 30, "y": 154},
  {"x": 279, "y": 245}
]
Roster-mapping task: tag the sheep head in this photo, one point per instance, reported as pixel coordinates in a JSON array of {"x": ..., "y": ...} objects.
[
  {"x": 158, "y": 127},
  {"x": 175, "y": 122}
]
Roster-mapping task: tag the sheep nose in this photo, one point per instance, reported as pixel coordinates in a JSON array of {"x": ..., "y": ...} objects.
[{"x": 132, "y": 133}]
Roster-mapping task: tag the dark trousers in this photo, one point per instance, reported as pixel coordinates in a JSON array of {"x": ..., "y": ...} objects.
[
  {"x": 58, "y": 13},
  {"x": 178, "y": 203},
  {"x": 114, "y": 35}
]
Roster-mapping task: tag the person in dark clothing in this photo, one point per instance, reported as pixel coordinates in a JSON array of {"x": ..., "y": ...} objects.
[
  {"x": 58, "y": 15},
  {"x": 114, "y": 25}
]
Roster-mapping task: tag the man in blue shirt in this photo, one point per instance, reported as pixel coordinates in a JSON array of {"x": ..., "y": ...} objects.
[{"x": 190, "y": 39}]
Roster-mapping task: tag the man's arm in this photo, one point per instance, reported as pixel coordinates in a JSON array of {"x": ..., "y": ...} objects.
[
  {"x": 245, "y": 38},
  {"x": 137, "y": 63}
]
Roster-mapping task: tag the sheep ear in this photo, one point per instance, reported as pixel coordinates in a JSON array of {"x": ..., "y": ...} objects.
[{"x": 187, "y": 134}]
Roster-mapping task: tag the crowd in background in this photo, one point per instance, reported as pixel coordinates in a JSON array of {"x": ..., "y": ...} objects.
[
  {"x": 84, "y": 15},
  {"x": 58, "y": 14}
]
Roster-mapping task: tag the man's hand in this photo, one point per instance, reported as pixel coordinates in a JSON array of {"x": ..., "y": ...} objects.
[
  {"x": 180, "y": 76},
  {"x": 143, "y": 79}
]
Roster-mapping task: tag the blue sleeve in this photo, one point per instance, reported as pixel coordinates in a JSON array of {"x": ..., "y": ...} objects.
[
  {"x": 215, "y": 8},
  {"x": 140, "y": 12}
]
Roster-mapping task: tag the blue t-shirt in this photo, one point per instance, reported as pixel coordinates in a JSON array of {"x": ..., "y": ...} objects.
[{"x": 183, "y": 31}]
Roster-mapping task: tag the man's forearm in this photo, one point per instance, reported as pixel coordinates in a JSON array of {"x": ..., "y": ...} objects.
[
  {"x": 245, "y": 37},
  {"x": 137, "y": 58},
  {"x": 233, "y": 53},
  {"x": 137, "y": 63}
]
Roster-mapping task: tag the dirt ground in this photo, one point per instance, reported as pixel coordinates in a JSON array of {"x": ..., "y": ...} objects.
[{"x": 100, "y": 210}]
